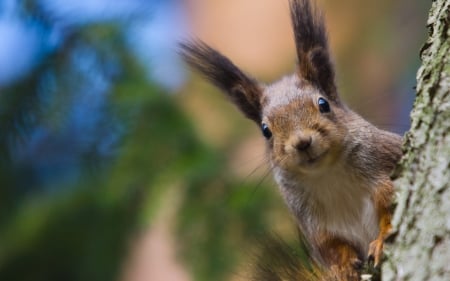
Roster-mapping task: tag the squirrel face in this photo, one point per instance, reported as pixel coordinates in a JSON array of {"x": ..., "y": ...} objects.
[{"x": 301, "y": 125}]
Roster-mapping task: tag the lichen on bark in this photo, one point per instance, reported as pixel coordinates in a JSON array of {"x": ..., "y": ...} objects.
[{"x": 421, "y": 247}]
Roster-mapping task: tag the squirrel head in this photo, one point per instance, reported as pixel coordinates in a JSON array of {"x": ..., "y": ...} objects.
[
  {"x": 304, "y": 127},
  {"x": 301, "y": 115}
]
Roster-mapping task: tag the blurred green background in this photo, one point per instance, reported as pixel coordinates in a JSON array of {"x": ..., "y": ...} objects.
[{"x": 117, "y": 163}]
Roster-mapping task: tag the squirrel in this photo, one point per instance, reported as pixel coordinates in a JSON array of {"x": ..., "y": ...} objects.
[{"x": 332, "y": 167}]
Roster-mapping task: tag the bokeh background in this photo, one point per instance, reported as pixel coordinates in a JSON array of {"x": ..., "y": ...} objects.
[{"x": 118, "y": 163}]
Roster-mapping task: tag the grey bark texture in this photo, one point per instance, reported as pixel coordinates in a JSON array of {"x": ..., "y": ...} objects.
[{"x": 421, "y": 244}]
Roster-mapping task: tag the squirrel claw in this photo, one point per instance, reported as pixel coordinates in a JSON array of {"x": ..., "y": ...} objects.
[
  {"x": 375, "y": 252},
  {"x": 357, "y": 264}
]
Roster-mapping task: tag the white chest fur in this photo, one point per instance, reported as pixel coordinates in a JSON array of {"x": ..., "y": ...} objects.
[{"x": 338, "y": 203}]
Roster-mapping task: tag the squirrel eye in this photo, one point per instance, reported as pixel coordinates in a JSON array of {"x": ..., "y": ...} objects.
[
  {"x": 324, "y": 106},
  {"x": 266, "y": 131}
]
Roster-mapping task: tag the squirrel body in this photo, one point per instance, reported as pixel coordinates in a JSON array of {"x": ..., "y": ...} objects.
[
  {"x": 332, "y": 166},
  {"x": 339, "y": 185},
  {"x": 332, "y": 188}
]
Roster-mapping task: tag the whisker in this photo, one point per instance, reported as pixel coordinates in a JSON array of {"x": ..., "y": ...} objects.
[
  {"x": 263, "y": 164},
  {"x": 264, "y": 177},
  {"x": 259, "y": 158}
]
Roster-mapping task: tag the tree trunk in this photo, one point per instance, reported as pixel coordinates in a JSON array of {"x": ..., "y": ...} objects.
[{"x": 421, "y": 246}]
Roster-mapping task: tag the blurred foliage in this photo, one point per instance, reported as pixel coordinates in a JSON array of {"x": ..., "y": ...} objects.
[
  {"x": 88, "y": 148},
  {"x": 222, "y": 223}
]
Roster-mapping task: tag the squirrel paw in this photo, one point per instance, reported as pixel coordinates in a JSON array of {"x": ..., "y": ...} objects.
[{"x": 376, "y": 251}]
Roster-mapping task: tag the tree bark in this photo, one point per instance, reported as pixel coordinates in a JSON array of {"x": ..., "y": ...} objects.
[{"x": 421, "y": 244}]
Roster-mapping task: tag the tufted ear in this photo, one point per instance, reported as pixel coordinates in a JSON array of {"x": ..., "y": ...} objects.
[
  {"x": 314, "y": 64},
  {"x": 243, "y": 91}
]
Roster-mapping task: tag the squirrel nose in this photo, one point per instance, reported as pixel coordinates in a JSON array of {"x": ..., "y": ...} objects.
[{"x": 303, "y": 143}]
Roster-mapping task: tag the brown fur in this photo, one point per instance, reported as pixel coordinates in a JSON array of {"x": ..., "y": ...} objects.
[
  {"x": 243, "y": 90},
  {"x": 332, "y": 167},
  {"x": 314, "y": 63}
]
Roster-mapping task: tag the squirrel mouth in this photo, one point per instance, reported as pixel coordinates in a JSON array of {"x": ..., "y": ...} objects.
[{"x": 310, "y": 159}]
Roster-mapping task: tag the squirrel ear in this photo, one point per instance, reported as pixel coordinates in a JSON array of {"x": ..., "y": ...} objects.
[
  {"x": 314, "y": 64},
  {"x": 243, "y": 91}
]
